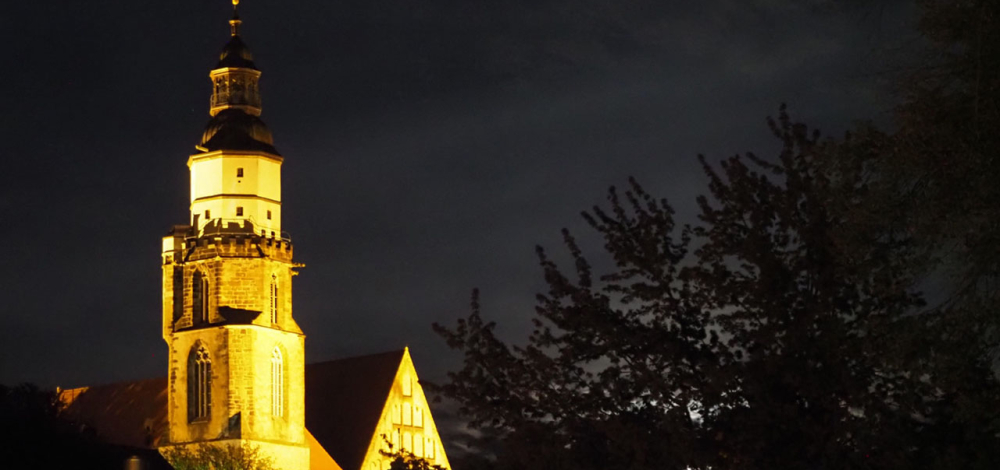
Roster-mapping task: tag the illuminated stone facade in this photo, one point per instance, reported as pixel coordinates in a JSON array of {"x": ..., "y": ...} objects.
[
  {"x": 236, "y": 355},
  {"x": 236, "y": 369}
]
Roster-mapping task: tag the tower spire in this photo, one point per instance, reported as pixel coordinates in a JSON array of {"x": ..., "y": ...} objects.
[
  {"x": 234, "y": 24},
  {"x": 235, "y": 104}
]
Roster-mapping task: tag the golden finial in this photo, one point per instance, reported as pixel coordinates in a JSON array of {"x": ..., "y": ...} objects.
[{"x": 234, "y": 24}]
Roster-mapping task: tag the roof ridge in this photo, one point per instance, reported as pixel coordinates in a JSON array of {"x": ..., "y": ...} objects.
[
  {"x": 364, "y": 356},
  {"x": 109, "y": 384}
]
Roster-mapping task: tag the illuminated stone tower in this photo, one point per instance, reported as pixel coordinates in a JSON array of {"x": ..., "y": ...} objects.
[{"x": 236, "y": 354}]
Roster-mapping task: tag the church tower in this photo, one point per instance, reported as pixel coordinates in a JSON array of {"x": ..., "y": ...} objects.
[{"x": 236, "y": 355}]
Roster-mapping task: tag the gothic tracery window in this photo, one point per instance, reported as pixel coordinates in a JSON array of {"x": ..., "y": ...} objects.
[
  {"x": 277, "y": 383},
  {"x": 199, "y": 382}
]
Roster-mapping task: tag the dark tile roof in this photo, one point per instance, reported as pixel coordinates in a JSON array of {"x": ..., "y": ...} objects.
[
  {"x": 344, "y": 401},
  {"x": 126, "y": 413}
]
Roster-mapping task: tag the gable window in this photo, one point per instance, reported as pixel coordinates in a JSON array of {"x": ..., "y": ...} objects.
[
  {"x": 239, "y": 211},
  {"x": 396, "y": 413},
  {"x": 418, "y": 445},
  {"x": 239, "y": 172},
  {"x": 199, "y": 382},
  {"x": 277, "y": 383},
  {"x": 407, "y": 386},
  {"x": 429, "y": 447},
  {"x": 272, "y": 302},
  {"x": 407, "y": 442},
  {"x": 268, "y": 215},
  {"x": 418, "y": 417},
  {"x": 407, "y": 415},
  {"x": 200, "y": 295}
]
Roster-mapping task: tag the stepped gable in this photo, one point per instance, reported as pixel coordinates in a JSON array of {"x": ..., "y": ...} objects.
[{"x": 344, "y": 402}]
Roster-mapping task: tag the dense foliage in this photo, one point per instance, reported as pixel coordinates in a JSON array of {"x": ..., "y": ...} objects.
[
  {"x": 834, "y": 307},
  {"x": 219, "y": 457}
]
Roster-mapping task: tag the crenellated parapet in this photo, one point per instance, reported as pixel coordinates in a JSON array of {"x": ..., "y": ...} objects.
[
  {"x": 182, "y": 244},
  {"x": 237, "y": 246}
]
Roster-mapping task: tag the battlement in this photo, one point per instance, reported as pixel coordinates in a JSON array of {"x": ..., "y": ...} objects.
[
  {"x": 237, "y": 246},
  {"x": 224, "y": 238}
]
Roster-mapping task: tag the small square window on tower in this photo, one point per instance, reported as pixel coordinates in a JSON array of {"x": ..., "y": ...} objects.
[
  {"x": 268, "y": 215},
  {"x": 239, "y": 212},
  {"x": 239, "y": 172}
]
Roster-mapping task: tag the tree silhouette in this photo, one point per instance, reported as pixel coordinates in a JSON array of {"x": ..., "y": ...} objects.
[{"x": 777, "y": 332}]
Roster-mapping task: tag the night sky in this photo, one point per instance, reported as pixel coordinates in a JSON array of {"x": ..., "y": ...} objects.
[{"x": 429, "y": 146}]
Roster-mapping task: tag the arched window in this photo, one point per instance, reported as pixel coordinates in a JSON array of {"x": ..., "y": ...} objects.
[
  {"x": 277, "y": 383},
  {"x": 200, "y": 295},
  {"x": 273, "y": 300},
  {"x": 199, "y": 383}
]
